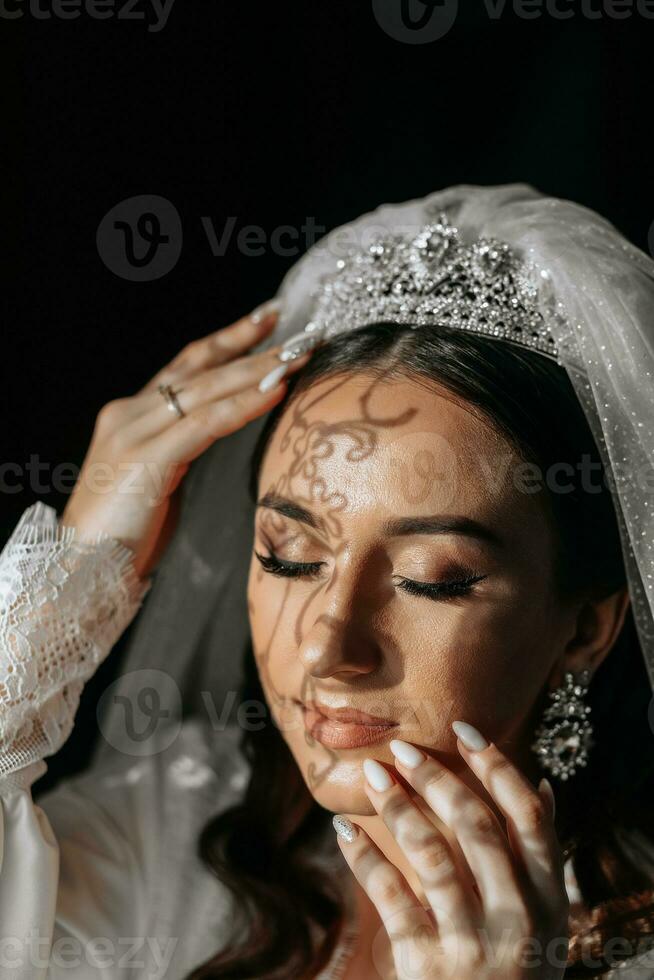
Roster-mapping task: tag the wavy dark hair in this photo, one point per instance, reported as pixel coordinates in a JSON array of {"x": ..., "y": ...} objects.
[{"x": 289, "y": 917}]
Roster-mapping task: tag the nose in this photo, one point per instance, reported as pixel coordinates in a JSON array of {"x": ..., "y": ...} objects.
[
  {"x": 341, "y": 640},
  {"x": 332, "y": 648}
]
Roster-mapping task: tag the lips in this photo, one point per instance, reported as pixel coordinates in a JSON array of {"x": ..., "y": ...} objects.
[
  {"x": 347, "y": 714},
  {"x": 344, "y": 728}
]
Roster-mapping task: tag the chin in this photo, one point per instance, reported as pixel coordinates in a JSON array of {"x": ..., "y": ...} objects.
[
  {"x": 343, "y": 799},
  {"x": 335, "y": 783}
]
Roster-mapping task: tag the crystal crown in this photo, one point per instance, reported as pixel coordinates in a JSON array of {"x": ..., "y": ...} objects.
[{"x": 432, "y": 277}]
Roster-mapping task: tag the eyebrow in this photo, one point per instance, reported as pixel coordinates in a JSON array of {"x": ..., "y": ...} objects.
[
  {"x": 395, "y": 527},
  {"x": 464, "y": 526},
  {"x": 293, "y": 510}
]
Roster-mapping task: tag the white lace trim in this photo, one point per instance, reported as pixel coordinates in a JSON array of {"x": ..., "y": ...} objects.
[
  {"x": 64, "y": 602},
  {"x": 23, "y": 778}
]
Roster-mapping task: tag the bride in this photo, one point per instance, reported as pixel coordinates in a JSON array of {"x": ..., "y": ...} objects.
[{"x": 440, "y": 763}]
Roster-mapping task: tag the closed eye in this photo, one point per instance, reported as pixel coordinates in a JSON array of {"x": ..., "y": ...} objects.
[
  {"x": 309, "y": 570},
  {"x": 441, "y": 590},
  {"x": 288, "y": 569}
]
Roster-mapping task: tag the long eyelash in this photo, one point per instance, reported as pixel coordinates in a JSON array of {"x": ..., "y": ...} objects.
[
  {"x": 441, "y": 590},
  {"x": 432, "y": 590},
  {"x": 288, "y": 569}
]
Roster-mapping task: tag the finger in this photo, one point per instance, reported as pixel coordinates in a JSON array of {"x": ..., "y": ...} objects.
[
  {"x": 187, "y": 438},
  {"x": 210, "y": 386},
  {"x": 401, "y": 914},
  {"x": 523, "y": 807},
  {"x": 428, "y": 851},
  {"x": 478, "y": 832},
  {"x": 217, "y": 348}
]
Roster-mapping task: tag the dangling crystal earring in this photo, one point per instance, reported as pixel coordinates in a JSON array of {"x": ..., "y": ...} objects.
[{"x": 564, "y": 736}]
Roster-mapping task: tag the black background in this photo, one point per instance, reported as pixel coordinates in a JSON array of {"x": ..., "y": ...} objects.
[{"x": 271, "y": 114}]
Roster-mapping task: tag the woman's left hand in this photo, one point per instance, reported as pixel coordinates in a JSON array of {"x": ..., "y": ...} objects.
[{"x": 503, "y": 913}]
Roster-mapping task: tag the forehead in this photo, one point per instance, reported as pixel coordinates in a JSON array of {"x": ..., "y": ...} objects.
[{"x": 393, "y": 446}]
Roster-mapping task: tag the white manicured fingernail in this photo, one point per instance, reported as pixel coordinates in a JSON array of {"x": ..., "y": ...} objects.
[
  {"x": 299, "y": 344},
  {"x": 376, "y": 775},
  {"x": 546, "y": 791},
  {"x": 406, "y": 753},
  {"x": 345, "y": 829},
  {"x": 265, "y": 309},
  {"x": 471, "y": 738},
  {"x": 270, "y": 380}
]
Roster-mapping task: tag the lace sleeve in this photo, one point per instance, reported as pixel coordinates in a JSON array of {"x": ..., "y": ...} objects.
[{"x": 64, "y": 602}]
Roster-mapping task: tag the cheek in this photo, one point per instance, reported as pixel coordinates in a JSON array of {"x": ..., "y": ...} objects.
[
  {"x": 272, "y": 609},
  {"x": 482, "y": 659},
  {"x": 273, "y": 615}
]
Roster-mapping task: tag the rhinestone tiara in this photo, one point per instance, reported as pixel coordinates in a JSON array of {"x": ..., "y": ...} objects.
[{"x": 432, "y": 277}]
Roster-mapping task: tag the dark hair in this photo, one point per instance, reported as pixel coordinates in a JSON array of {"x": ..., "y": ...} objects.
[{"x": 531, "y": 401}]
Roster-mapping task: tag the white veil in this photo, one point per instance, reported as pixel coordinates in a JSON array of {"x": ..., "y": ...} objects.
[{"x": 186, "y": 646}]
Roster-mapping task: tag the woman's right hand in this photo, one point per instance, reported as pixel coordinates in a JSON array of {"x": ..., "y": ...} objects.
[{"x": 140, "y": 450}]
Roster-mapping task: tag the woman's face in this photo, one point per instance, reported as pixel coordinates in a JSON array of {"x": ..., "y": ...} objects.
[{"x": 366, "y": 486}]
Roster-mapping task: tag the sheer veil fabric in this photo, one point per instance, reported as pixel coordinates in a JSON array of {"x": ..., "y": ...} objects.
[{"x": 597, "y": 293}]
